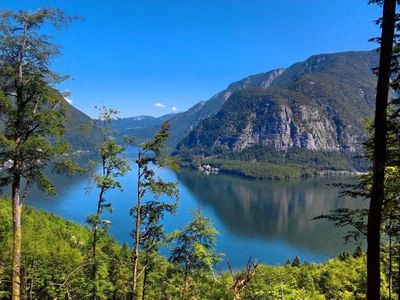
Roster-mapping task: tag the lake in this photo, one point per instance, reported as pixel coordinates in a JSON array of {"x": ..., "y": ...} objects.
[{"x": 268, "y": 220}]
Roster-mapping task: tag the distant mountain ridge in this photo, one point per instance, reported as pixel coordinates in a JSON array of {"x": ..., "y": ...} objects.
[
  {"x": 336, "y": 92},
  {"x": 182, "y": 123}
]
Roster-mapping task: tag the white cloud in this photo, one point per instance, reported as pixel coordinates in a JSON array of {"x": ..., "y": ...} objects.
[
  {"x": 159, "y": 104},
  {"x": 68, "y": 100},
  {"x": 174, "y": 108}
]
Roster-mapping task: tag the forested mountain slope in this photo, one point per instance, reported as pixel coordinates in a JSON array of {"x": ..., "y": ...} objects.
[
  {"x": 81, "y": 131},
  {"x": 319, "y": 105}
]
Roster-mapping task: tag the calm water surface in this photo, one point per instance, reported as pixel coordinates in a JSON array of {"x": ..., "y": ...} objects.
[{"x": 268, "y": 220}]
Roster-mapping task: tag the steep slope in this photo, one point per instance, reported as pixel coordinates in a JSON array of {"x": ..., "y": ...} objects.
[
  {"x": 316, "y": 105},
  {"x": 81, "y": 132}
]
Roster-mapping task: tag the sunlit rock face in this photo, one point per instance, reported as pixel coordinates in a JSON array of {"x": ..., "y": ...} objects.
[{"x": 285, "y": 129}]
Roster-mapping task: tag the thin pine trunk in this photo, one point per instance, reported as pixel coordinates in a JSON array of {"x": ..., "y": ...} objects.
[
  {"x": 94, "y": 242},
  {"x": 16, "y": 182},
  {"x": 137, "y": 233},
  {"x": 390, "y": 260}
]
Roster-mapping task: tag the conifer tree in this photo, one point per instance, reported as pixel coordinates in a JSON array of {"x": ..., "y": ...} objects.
[
  {"x": 31, "y": 113},
  {"x": 148, "y": 232},
  {"x": 113, "y": 165}
]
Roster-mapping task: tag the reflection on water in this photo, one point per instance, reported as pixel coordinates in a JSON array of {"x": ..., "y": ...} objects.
[
  {"x": 270, "y": 210},
  {"x": 268, "y": 220}
]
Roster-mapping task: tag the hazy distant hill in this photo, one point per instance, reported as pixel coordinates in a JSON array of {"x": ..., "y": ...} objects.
[{"x": 140, "y": 127}]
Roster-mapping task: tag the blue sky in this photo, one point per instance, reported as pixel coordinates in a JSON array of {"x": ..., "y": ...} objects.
[{"x": 134, "y": 54}]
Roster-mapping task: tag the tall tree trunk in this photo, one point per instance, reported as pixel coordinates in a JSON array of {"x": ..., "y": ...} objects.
[
  {"x": 94, "y": 244},
  {"x": 379, "y": 154},
  {"x": 16, "y": 182},
  {"x": 94, "y": 263},
  {"x": 137, "y": 232},
  {"x": 136, "y": 252},
  {"x": 17, "y": 238},
  {"x": 398, "y": 271}
]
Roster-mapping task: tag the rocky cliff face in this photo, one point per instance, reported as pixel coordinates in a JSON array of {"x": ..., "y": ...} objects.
[
  {"x": 315, "y": 105},
  {"x": 275, "y": 119},
  {"x": 285, "y": 129},
  {"x": 306, "y": 129}
]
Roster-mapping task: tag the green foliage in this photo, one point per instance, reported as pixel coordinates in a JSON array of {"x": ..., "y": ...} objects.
[
  {"x": 356, "y": 219},
  {"x": 148, "y": 233},
  {"x": 268, "y": 163},
  {"x": 54, "y": 253},
  {"x": 194, "y": 245},
  {"x": 334, "y": 280},
  {"x": 31, "y": 111},
  {"x": 55, "y": 264},
  {"x": 113, "y": 165},
  {"x": 257, "y": 170}
]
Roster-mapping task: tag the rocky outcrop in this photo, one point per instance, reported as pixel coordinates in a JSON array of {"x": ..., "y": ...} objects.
[
  {"x": 318, "y": 104},
  {"x": 285, "y": 129}
]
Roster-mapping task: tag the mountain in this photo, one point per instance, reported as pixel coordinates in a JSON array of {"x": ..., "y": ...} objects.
[
  {"x": 144, "y": 127},
  {"x": 292, "y": 115}
]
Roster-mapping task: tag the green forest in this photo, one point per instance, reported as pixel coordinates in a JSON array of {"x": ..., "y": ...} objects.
[
  {"x": 43, "y": 256},
  {"x": 56, "y": 260}
]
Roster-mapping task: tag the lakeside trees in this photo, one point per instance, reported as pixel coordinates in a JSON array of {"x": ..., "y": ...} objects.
[{"x": 31, "y": 112}]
